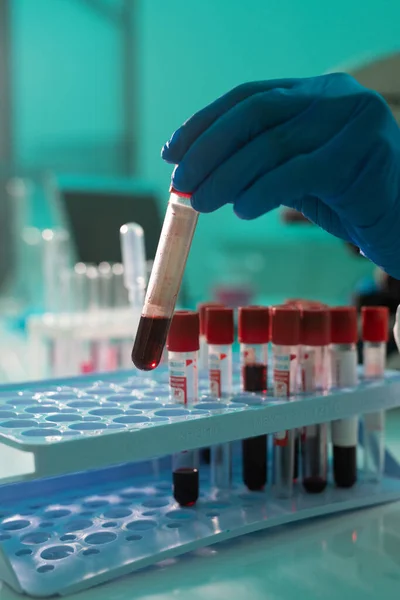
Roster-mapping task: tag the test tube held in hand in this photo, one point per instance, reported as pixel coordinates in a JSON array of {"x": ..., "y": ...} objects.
[
  {"x": 314, "y": 369},
  {"x": 285, "y": 337},
  {"x": 253, "y": 333},
  {"x": 203, "y": 353},
  {"x": 165, "y": 281},
  {"x": 375, "y": 333},
  {"x": 183, "y": 346},
  {"x": 220, "y": 336},
  {"x": 344, "y": 337}
]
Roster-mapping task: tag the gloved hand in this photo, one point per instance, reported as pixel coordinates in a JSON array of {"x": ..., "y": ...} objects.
[{"x": 325, "y": 146}]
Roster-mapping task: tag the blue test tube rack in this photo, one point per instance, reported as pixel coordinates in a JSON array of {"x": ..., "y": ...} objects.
[{"x": 93, "y": 509}]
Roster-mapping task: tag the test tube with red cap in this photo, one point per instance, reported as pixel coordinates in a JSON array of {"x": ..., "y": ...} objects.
[
  {"x": 183, "y": 346},
  {"x": 253, "y": 330},
  {"x": 165, "y": 281},
  {"x": 375, "y": 333},
  {"x": 344, "y": 337},
  {"x": 202, "y": 308},
  {"x": 315, "y": 370},
  {"x": 220, "y": 336},
  {"x": 285, "y": 337}
]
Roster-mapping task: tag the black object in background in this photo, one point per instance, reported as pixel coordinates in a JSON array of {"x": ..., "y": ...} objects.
[{"x": 94, "y": 217}]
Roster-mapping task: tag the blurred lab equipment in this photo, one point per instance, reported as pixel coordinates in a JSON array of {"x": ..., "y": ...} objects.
[{"x": 93, "y": 313}]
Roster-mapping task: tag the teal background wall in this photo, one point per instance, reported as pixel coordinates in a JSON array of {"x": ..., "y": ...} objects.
[
  {"x": 68, "y": 108},
  {"x": 67, "y": 98},
  {"x": 191, "y": 52}
]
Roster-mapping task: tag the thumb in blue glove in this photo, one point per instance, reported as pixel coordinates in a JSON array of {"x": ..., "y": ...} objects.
[{"x": 325, "y": 146}]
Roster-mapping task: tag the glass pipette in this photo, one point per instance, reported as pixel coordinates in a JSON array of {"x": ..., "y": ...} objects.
[{"x": 165, "y": 280}]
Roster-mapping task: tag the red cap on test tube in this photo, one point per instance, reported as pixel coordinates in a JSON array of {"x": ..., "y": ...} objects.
[
  {"x": 202, "y": 308},
  {"x": 375, "y": 323},
  {"x": 344, "y": 325},
  {"x": 219, "y": 326},
  {"x": 285, "y": 326},
  {"x": 315, "y": 327},
  {"x": 183, "y": 335},
  {"x": 253, "y": 325}
]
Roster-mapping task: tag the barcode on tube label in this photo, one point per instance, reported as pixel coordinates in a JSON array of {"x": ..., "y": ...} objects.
[
  {"x": 345, "y": 432},
  {"x": 281, "y": 438}
]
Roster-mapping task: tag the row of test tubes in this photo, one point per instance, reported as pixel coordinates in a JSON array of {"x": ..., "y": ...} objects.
[
  {"x": 92, "y": 311},
  {"x": 313, "y": 350}
]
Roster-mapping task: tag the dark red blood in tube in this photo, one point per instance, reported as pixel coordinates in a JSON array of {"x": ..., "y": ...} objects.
[
  {"x": 186, "y": 486},
  {"x": 255, "y": 378},
  {"x": 314, "y": 485},
  {"x": 149, "y": 342},
  {"x": 254, "y": 450},
  {"x": 345, "y": 465}
]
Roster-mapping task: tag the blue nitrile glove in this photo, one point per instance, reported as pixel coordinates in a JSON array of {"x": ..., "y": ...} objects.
[{"x": 325, "y": 146}]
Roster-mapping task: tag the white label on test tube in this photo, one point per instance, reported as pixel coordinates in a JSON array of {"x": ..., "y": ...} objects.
[
  {"x": 183, "y": 377},
  {"x": 220, "y": 370}
]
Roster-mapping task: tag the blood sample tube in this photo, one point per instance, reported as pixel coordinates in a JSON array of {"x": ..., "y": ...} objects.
[
  {"x": 183, "y": 346},
  {"x": 253, "y": 329},
  {"x": 344, "y": 336},
  {"x": 220, "y": 335},
  {"x": 285, "y": 336},
  {"x": 202, "y": 308},
  {"x": 375, "y": 330},
  {"x": 165, "y": 280},
  {"x": 314, "y": 368}
]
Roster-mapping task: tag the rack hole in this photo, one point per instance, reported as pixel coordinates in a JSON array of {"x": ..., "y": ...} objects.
[
  {"x": 64, "y": 418},
  {"x": 212, "y": 513},
  {"x": 103, "y": 537},
  {"x": 41, "y": 409},
  {"x": 155, "y": 502},
  {"x": 172, "y": 412},
  {"x": 57, "y": 552},
  {"x": 181, "y": 515},
  {"x": 15, "y": 525},
  {"x": 106, "y": 412},
  {"x": 95, "y": 503},
  {"x": 45, "y": 568},
  {"x": 23, "y": 552},
  {"x": 132, "y": 418},
  {"x": 4, "y": 537},
  {"x": 174, "y": 525},
  {"x": 41, "y": 432},
  {"x": 117, "y": 513},
  {"x": 36, "y": 537},
  {"x": 133, "y": 538},
  {"x": 88, "y": 426},
  {"x": 83, "y": 404},
  {"x": 90, "y": 552},
  {"x": 57, "y": 513},
  {"x": 78, "y": 525},
  {"x": 141, "y": 525},
  {"x": 69, "y": 537},
  {"x": 46, "y": 524},
  {"x": 145, "y": 405},
  {"x": 19, "y": 424},
  {"x": 110, "y": 524}
]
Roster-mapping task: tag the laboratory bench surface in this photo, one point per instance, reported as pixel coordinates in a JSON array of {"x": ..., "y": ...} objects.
[{"x": 354, "y": 556}]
